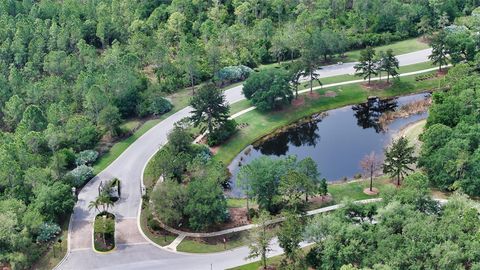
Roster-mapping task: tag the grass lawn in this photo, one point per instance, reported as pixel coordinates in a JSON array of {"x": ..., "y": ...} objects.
[
  {"x": 213, "y": 244},
  {"x": 48, "y": 260},
  {"x": 161, "y": 237},
  {"x": 272, "y": 261},
  {"x": 399, "y": 47},
  {"x": 260, "y": 124}
]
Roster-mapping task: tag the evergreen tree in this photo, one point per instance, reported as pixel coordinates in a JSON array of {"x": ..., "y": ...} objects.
[
  {"x": 439, "y": 54},
  {"x": 398, "y": 159},
  {"x": 366, "y": 66}
]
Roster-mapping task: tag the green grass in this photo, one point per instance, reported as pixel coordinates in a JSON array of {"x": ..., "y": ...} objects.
[
  {"x": 239, "y": 106},
  {"x": 354, "y": 190},
  {"x": 48, "y": 260},
  {"x": 162, "y": 240},
  {"x": 260, "y": 124},
  {"x": 272, "y": 261},
  {"x": 213, "y": 244},
  {"x": 399, "y": 47}
]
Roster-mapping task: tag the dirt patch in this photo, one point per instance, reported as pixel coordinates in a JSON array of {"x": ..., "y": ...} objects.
[
  {"x": 330, "y": 94},
  {"x": 372, "y": 192},
  {"x": 376, "y": 85},
  {"x": 321, "y": 199},
  {"x": 413, "y": 108},
  {"x": 442, "y": 72},
  {"x": 313, "y": 95},
  {"x": 238, "y": 217},
  {"x": 298, "y": 101}
]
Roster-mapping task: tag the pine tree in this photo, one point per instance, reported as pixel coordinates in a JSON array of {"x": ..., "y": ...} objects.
[{"x": 367, "y": 65}]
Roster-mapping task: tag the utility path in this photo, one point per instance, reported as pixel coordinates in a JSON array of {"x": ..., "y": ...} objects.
[{"x": 133, "y": 251}]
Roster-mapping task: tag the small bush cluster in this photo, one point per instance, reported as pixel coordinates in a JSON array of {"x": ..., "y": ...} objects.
[
  {"x": 424, "y": 77},
  {"x": 80, "y": 175},
  {"x": 48, "y": 231},
  {"x": 232, "y": 74},
  {"x": 86, "y": 157},
  {"x": 222, "y": 133}
]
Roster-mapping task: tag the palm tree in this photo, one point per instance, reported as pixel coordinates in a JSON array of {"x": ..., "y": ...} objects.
[
  {"x": 104, "y": 201},
  {"x": 94, "y": 204}
]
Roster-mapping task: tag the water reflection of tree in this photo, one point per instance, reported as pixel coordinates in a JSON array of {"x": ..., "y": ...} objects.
[
  {"x": 305, "y": 134},
  {"x": 368, "y": 113}
]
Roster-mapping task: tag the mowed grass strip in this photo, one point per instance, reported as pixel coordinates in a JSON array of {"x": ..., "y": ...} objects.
[
  {"x": 399, "y": 47},
  {"x": 213, "y": 244}
]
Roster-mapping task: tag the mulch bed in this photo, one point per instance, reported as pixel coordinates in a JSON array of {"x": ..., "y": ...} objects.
[
  {"x": 376, "y": 85},
  {"x": 322, "y": 199},
  {"x": 330, "y": 94},
  {"x": 106, "y": 244},
  {"x": 313, "y": 95},
  {"x": 298, "y": 101},
  {"x": 372, "y": 192}
]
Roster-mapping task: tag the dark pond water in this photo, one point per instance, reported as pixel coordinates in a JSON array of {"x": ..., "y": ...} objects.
[{"x": 337, "y": 141}]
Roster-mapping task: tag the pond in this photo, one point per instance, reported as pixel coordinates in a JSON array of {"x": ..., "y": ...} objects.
[{"x": 336, "y": 140}]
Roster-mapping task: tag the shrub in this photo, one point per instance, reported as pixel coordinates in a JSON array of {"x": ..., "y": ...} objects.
[
  {"x": 48, "y": 231},
  {"x": 86, "y": 157},
  {"x": 232, "y": 74},
  {"x": 154, "y": 104},
  {"x": 222, "y": 133},
  {"x": 79, "y": 175},
  {"x": 202, "y": 152}
]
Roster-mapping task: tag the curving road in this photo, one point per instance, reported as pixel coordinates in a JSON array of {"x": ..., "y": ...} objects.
[{"x": 133, "y": 250}]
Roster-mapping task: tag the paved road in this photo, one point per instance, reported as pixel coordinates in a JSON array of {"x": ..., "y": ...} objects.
[{"x": 134, "y": 251}]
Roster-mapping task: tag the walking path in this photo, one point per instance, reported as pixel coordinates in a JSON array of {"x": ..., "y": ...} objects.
[
  {"x": 251, "y": 226},
  {"x": 133, "y": 253}
]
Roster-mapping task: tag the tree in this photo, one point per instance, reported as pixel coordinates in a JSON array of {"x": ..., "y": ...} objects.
[
  {"x": 398, "y": 158},
  {"x": 323, "y": 189},
  {"x": 13, "y": 112},
  {"x": 313, "y": 48},
  {"x": 439, "y": 54},
  {"x": 105, "y": 201},
  {"x": 296, "y": 72},
  {"x": 33, "y": 119},
  {"x": 292, "y": 186},
  {"x": 53, "y": 200},
  {"x": 389, "y": 64},
  {"x": 366, "y": 66},
  {"x": 189, "y": 59},
  {"x": 424, "y": 27},
  {"x": 206, "y": 204},
  {"x": 289, "y": 237},
  {"x": 169, "y": 200},
  {"x": 260, "y": 237},
  {"x": 95, "y": 204},
  {"x": 370, "y": 164},
  {"x": 209, "y": 106},
  {"x": 110, "y": 119},
  {"x": 268, "y": 89},
  {"x": 259, "y": 179},
  {"x": 180, "y": 140}
]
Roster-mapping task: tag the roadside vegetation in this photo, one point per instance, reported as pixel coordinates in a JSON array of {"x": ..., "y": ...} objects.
[{"x": 72, "y": 73}]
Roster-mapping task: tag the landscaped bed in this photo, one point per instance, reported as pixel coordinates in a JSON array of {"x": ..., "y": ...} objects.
[
  {"x": 104, "y": 232},
  {"x": 213, "y": 244},
  {"x": 154, "y": 231}
]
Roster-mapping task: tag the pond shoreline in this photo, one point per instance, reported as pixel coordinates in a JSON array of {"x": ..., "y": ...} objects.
[{"x": 245, "y": 156}]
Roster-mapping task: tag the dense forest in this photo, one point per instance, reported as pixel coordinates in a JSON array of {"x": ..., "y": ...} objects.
[{"x": 71, "y": 70}]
